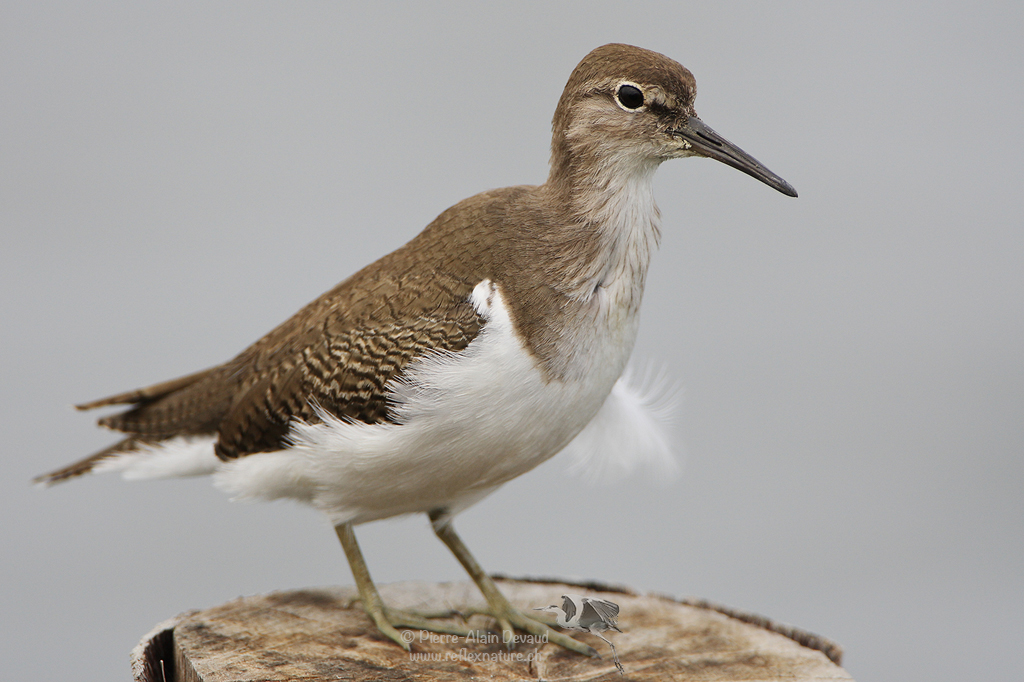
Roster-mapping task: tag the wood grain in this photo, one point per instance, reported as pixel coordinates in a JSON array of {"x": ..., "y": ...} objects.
[{"x": 322, "y": 634}]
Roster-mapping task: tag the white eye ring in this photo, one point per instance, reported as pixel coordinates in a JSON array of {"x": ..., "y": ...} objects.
[{"x": 626, "y": 97}]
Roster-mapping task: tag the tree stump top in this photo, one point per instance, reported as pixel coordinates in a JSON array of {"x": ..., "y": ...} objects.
[{"x": 323, "y": 634}]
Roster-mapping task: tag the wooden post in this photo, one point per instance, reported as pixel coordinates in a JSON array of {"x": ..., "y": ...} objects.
[{"x": 322, "y": 634}]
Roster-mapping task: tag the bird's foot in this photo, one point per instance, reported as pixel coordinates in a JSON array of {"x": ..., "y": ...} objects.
[
  {"x": 431, "y": 621},
  {"x": 389, "y": 620},
  {"x": 498, "y": 607},
  {"x": 510, "y": 618}
]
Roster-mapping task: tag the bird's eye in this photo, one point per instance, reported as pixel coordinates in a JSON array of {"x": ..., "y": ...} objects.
[{"x": 630, "y": 96}]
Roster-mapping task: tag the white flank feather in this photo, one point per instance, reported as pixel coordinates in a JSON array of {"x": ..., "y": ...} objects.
[
  {"x": 631, "y": 430},
  {"x": 177, "y": 457}
]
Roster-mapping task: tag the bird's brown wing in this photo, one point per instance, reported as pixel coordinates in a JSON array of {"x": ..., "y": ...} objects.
[
  {"x": 340, "y": 368},
  {"x": 336, "y": 354}
]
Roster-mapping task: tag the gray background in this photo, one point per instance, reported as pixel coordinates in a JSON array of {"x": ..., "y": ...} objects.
[{"x": 176, "y": 180}]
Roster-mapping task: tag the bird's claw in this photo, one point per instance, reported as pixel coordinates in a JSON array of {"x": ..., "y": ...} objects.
[
  {"x": 388, "y": 622},
  {"x": 429, "y": 621}
]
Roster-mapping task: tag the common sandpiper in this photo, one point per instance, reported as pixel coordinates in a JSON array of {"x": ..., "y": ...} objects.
[{"x": 461, "y": 360}]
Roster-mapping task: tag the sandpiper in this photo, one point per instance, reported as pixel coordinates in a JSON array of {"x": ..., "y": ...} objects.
[{"x": 465, "y": 358}]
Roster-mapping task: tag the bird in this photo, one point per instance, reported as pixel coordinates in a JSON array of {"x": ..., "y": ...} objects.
[
  {"x": 461, "y": 360},
  {"x": 588, "y": 614}
]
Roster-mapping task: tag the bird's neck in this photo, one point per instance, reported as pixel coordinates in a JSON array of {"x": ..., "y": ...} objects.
[{"x": 613, "y": 224}]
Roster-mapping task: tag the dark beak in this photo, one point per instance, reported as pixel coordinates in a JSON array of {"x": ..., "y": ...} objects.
[{"x": 707, "y": 142}]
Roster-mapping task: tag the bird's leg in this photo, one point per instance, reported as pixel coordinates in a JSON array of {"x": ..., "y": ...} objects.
[
  {"x": 387, "y": 619},
  {"x": 368, "y": 593},
  {"x": 508, "y": 616},
  {"x": 615, "y": 656}
]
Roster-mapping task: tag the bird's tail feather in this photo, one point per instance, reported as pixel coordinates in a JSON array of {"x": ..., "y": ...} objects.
[{"x": 85, "y": 466}]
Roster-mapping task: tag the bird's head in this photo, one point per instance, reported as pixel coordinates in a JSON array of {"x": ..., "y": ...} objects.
[{"x": 625, "y": 105}]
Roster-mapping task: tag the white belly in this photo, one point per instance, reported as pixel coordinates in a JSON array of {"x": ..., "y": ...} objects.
[{"x": 467, "y": 422}]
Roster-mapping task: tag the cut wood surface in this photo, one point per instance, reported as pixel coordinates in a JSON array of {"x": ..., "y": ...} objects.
[{"x": 322, "y": 634}]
